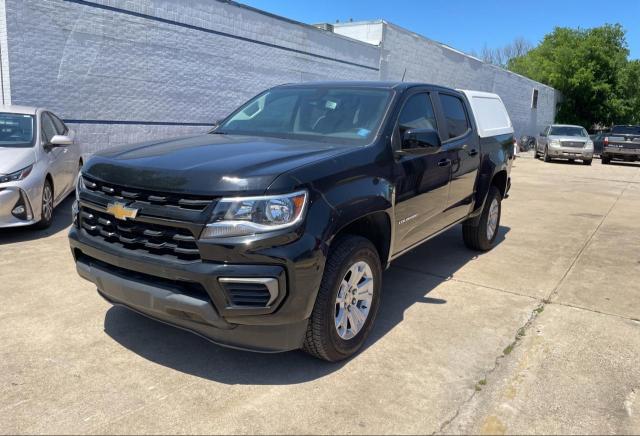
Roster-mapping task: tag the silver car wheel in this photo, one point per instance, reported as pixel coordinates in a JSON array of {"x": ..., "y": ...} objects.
[
  {"x": 353, "y": 300},
  {"x": 47, "y": 202},
  {"x": 492, "y": 220}
]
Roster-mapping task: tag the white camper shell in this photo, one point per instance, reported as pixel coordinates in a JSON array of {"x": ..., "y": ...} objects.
[{"x": 489, "y": 112}]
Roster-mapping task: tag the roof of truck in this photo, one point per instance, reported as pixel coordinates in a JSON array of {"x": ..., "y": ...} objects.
[{"x": 366, "y": 84}]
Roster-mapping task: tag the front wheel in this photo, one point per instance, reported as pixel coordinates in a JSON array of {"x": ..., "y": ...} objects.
[
  {"x": 483, "y": 236},
  {"x": 347, "y": 301},
  {"x": 46, "y": 218},
  {"x": 586, "y": 162},
  {"x": 546, "y": 156}
]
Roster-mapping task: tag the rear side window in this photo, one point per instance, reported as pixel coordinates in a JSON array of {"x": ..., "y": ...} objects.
[
  {"x": 454, "y": 115},
  {"x": 418, "y": 113},
  {"x": 61, "y": 127}
]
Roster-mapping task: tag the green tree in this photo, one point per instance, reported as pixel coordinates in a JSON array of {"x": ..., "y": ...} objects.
[{"x": 590, "y": 67}]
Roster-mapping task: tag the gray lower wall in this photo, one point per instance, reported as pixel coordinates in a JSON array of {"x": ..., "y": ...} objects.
[{"x": 174, "y": 66}]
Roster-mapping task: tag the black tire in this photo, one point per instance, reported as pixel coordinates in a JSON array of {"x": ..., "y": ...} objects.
[
  {"x": 586, "y": 161},
  {"x": 535, "y": 152},
  {"x": 545, "y": 156},
  {"x": 322, "y": 339},
  {"x": 605, "y": 160},
  {"x": 46, "y": 218},
  {"x": 475, "y": 236}
]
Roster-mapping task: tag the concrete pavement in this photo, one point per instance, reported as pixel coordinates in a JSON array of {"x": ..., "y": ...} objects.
[{"x": 540, "y": 335}]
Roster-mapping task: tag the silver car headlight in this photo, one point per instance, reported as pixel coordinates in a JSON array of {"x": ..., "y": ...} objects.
[
  {"x": 589, "y": 144},
  {"x": 239, "y": 216},
  {"x": 555, "y": 143},
  {"x": 16, "y": 176}
]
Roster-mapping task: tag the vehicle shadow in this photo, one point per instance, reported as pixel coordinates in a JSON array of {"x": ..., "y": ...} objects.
[
  {"x": 61, "y": 221},
  {"x": 625, "y": 164},
  {"x": 191, "y": 354}
]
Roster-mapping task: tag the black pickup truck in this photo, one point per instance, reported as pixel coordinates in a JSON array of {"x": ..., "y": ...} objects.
[
  {"x": 622, "y": 143},
  {"x": 270, "y": 233}
]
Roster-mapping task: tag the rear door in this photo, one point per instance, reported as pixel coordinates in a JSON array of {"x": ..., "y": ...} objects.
[
  {"x": 423, "y": 174},
  {"x": 462, "y": 144}
]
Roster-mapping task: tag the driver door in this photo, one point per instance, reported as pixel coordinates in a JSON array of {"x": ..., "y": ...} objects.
[
  {"x": 55, "y": 156},
  {"x": 424, "y": 174}
]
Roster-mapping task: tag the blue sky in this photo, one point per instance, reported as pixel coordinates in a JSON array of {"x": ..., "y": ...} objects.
[{"x": 467, "y": 24}]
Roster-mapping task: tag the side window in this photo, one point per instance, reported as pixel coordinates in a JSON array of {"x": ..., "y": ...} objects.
[
  {"x": 418, "y": 113},
  {"x": 48, "y": 128},
  {"x": 61, "y": 127},
  {"x": 455, "y": 115}
]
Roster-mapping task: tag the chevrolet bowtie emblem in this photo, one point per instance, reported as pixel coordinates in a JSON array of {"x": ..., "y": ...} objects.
[{"x": 121, "y": 211}]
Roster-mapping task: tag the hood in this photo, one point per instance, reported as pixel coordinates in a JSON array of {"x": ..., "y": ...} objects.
[
  {"x": 210, "y": 164},
  {"x": 568, "y": 138},
  {"x": 13, "y": 159}
]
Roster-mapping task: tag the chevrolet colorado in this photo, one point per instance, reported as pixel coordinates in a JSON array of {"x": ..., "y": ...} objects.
[{"x": 270, "y": 233}]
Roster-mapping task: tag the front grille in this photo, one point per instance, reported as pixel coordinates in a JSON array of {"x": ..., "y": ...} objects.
[
  {"x": 573, "y": 144},
  {"x": 137, "y": 235},
  {"x": 181, "y": 201}
]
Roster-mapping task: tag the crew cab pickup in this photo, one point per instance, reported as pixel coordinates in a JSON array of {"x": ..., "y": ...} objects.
[
  {"x": 270, "y": 233},
  {"x": 622, "y": 143}
]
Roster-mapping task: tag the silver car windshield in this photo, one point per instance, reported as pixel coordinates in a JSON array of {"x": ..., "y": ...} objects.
[
  {"x": 314, "y": 113},
  {"x": 16, "y": 130},
  {"x": 568, "y": 131}
]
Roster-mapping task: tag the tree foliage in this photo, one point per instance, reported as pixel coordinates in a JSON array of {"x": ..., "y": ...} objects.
[{"x": 590, "y": 67}]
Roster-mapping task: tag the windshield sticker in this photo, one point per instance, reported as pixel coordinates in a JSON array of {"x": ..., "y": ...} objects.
[
  {"x": 363, "y": 132},
  {"x": 331, "y": 104}
]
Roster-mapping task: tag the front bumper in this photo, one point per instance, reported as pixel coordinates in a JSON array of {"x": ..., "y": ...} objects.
[
  {"x": 10, "y": 198},
  {"x": 190, "y": 295},
  {"x": 571, "y": 153}
]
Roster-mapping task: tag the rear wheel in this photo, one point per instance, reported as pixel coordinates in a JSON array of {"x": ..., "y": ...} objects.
[
  {"x": 347, "y": 301},
  {"x": 483, "y": 235},
  {"x": 605, "y": 160},
  {"x": 47, "y": 206}
]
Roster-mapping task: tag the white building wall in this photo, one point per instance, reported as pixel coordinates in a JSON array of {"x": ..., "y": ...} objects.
[
  {"x": 419, "y": 59},
  {"x": 122, "y": 71}
]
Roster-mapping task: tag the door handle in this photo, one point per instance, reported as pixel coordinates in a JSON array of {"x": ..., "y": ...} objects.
[
  {"x": 473, "y": 152},
  {"x": 444, "y": 163}
]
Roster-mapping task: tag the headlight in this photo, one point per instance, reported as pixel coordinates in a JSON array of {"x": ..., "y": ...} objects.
[
  {"x": 241, "y": 216},
  {"x": 79, "y": 185},
  {"x": 18, "y": 175},
  {"x": 555, "y": 142},
  {"x": 589, "y": 144}
]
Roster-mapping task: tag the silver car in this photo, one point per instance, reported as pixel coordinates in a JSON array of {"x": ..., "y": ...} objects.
[
  {"x": 563, "y": 141},
  {"x": 39, "y": 163}
]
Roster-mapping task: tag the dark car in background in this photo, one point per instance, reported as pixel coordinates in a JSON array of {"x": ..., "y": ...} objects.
[{"x": 622, "y": 143}]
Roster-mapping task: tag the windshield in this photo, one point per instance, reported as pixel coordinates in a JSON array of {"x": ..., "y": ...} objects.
[
  {"x": 568, "y": 131},
  {"x": 16, "y": 130},
  {"x": 339, "y": 114},
  {"x": 626, "y": 130}
]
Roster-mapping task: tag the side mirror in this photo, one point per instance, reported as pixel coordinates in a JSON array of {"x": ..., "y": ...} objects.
[
  {"x": 541, "y": 133},
  {"x": 421, "y": 138},
  {"x": 60, "y": 141}
]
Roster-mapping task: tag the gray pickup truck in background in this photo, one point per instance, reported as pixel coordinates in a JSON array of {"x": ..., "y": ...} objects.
[{"x": 622, "y": 143}]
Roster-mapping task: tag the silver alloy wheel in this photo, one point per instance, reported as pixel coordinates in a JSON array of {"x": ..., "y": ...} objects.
[
  {"x": 354, "y": 300},
  {"x": 492, "y": 219},
  {"x": 47, "y": 202}
]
